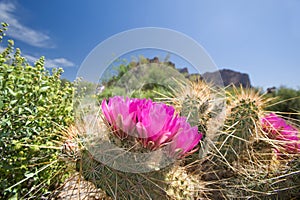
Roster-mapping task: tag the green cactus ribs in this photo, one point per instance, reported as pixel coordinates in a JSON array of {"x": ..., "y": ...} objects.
[
  {"x": 171, "y": 182},
  {"x": 244, "y": 107},
  {"x": 123, "y": 185}
]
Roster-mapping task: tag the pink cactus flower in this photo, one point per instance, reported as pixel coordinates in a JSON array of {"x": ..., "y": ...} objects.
[
  {"x": 272, "y": 123},
  {"x": 154, "y": 124},
  {"x": 278, "y": 129},
  {"x": 290, "y": 135},
  {"x": 186, "y": 139},
  {"x": 117, "y": 113}
]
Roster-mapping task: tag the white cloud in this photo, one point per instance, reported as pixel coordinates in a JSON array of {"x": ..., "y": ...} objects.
[
  {"x": 51, "y": 63},
  {"x": 58, "y": 62},
  {"x": 19, "y": 31},
  {"x": 1, "y": 49}
]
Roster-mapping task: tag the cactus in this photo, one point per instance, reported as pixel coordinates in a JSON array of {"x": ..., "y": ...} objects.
[
  {"x": 123, "y": 185},
  {"x": 107, "y": 152},
  {"x": 194, "y": 100},
  {"x": 241, "y": 163},
  {"x": 251, "y": 154},
  {"x": 204, "y": 105},
  {"x": 182, "y": 184},
  {"x": 244, "y": 107}
]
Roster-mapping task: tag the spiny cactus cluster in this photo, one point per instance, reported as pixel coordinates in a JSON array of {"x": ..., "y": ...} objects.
[
  {"x": 248, "y": 151},
  {"x": 122, "y": 185},
  {"x": 242, "y": 121},
  {"x": 182, "y": 184},
  {"x": 204, "y": 105},
  {"x": 197, "y": 101},
  {"x": 131, "y": 125},
  {"x": 241, "y": 159}
]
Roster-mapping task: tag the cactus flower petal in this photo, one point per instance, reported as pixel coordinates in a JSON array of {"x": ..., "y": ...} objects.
[
  {"x": 278, "y": 129},
  {"x": 186, "y": 139},
  {"x": 154, "y": 124}
]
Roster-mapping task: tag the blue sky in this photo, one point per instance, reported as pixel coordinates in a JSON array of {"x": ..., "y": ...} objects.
[{"x": 261, "y": 38}]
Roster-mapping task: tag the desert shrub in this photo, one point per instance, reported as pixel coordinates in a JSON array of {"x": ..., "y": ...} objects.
[
  {"x": 287, "y": 101},
  {"x": 143, "y": 79},
  {"x": 34, "y": 107}
]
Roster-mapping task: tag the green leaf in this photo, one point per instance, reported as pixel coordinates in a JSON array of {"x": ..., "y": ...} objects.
[
  {"x": 28, "y": 109},
  {"x": 15, "y": 197},
  {"x": 14, "y": 101},
  {"x": 1, "y": 104},
  {"x": 20, "y": 110},
  {"x": 44, "y": 89},
  {"x": 30, "y": 175},
  {"x": 12, "y": 92}
]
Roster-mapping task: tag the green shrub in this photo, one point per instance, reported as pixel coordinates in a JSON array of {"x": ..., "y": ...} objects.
[
  {"x": 34, "y": 107},
  {"x": 141, "y": 80},
  {"x": 287, "y": 102}
]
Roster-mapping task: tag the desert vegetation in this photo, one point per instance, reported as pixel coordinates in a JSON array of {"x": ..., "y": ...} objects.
[{"x": 190, "y": 139}]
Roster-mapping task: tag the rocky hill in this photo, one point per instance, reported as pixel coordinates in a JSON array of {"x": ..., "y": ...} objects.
[
  {"x": 228, "y": 77},
  {"x": 221, "y": 77}
]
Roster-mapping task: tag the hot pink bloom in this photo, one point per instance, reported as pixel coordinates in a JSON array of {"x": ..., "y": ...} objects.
[
  {"x": 155, "y": 124},
  {"x": 117, "y": 113},
  {"x": 272, "y": 123},
  {"x": 186, "y": 139},
  {"x": 290, "y": 135},
  {"x": 278, "y": 129}
]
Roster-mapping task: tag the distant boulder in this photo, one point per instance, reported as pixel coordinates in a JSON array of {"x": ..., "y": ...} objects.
[
  {"x": 170, "y": 64},
  {"x": 271, "y": 90},
  {"x": 227, "y": 77},
  {"x": 154, "y": 60},
  {"x": 194, "y": 77},
  {"x": 183, "y": 70}
]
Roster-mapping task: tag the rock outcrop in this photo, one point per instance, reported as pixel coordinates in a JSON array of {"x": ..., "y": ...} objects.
[
  {"x": 227, "y": 77},
  {"x": 222, "y": 77}
]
